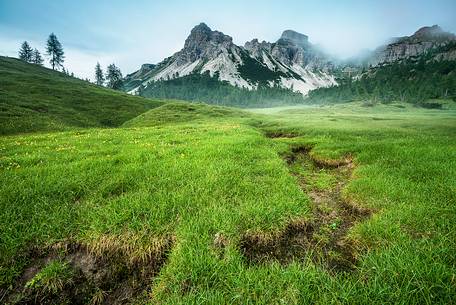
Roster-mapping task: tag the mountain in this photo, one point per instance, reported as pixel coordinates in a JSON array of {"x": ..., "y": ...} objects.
[
  {"x": 307, "y": 67},
  {"x": 409, "y": 47},
  {"x": 34, "y": 98},
  {"x": 211, "y": 68},
  {"x": 417, "y": 69},
  {"x": 291, "y": 63}
]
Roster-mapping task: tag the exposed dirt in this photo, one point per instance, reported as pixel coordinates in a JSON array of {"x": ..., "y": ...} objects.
[
  {"x": 109, "y": 278},
  {"x": 280, "y": 134},
  {"x": 220, "y": 243},
  {"x": 323, "y": 238}
]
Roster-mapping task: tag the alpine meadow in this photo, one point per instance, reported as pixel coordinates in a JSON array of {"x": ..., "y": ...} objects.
[{"x": 282, "y": 170}]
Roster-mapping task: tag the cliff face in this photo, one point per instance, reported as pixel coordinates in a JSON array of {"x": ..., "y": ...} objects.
[
  {"x": 203, "y": 43},
  {"x": 292, "y": 49},
  {"x": 422, "y": 41}
]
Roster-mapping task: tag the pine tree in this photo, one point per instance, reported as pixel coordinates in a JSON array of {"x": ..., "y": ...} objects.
[
  {"x": 99, "y": 76},
  {"x": 26, "y": 52},
  {"x": 55, "y": 51},
  {"x": 37, "y": 59},
  {"x": 114, "y": 77}
]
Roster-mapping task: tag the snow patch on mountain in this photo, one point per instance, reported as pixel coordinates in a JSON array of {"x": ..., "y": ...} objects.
[
  {"x": 292, "y": 61},
  {"x": 174, "y": 70},
  {"x": 227, "y": 70}
]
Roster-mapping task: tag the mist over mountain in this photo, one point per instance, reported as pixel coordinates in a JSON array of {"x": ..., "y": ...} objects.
[
  {"x": 423, "y": 40},
  {"x": 212, "y": 66}
]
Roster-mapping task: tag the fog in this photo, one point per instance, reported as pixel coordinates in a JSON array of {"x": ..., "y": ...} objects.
[{"x": 147, "y": 32}]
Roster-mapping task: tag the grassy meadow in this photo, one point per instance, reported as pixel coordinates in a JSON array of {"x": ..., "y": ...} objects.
[{"x": 197, "y": 204}]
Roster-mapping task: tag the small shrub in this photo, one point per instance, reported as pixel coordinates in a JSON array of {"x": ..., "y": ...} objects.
[
  {"x": 369, "y": 103},
  {"x": 430, "y": 105}
]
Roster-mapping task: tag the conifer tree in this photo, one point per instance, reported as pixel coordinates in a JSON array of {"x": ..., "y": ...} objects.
[
  {"x": 36, "y": 58},
  {"x": 26, "y": 52},
  {"x": 55, "y": 51},
  {"x": 114, "y": 77},
  {"x": 99, "y": 76}
]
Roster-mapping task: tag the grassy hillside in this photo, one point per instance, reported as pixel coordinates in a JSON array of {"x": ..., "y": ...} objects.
[
  {"x": 178, "y": 111},
  {"x": 33, "y": 98},
  {"x": 328, "y": 205}
]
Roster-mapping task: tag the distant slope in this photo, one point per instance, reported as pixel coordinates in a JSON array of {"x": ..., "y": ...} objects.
[
  {"x": 414, "y": 80},
  {"x": 34, "y": 98},
  {"x": 178, "y": 111},
  {"x": 409, "y": 47}
]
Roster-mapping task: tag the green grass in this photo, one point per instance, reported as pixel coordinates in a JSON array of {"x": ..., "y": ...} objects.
[
  {"x": 52, "y": 278},
  {"x": 33, "y": 98},
  {"x": 178, "y": 111},
  {"x": 196, "y": 173}
]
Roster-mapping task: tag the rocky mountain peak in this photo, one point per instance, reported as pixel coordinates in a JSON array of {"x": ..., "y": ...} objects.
[
  {"x": 289, "y": 63},
  {"x": 256, "y": 48},
  {"x": 294, "y": 37},
  {"x": 429, "y": 31},
  {"x": 422, "y": 41},
  {"x": 201, "y": 35},
  {"x": 202, "y": 27},
  {"x": 427, "y": 34},
  {"x": 204, "y": 43}
]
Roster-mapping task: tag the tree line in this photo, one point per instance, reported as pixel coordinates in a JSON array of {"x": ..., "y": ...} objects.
[
  {"x": 112, "y": 78},
  {"x": 411, "y": 82},
  {"x": 54, "y": 50},
  {"x": 212, "y": 90},
  {"x": 416, "y": 81}
]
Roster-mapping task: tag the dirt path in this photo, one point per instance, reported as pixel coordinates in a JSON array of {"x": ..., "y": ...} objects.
[{"x": 323, "y": 237}]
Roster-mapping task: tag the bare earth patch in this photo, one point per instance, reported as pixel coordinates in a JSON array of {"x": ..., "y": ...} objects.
[
  {"x": 323, "y": 237},
  {"x": 280, "y": 134},
  {"x": 107, "y": 277}
]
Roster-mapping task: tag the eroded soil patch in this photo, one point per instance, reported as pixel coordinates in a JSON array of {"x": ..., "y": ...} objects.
[
  {"x": 280, "y": 134},
  {"x": 94, "y": 277},
  {"x": 323, "y": 237}
]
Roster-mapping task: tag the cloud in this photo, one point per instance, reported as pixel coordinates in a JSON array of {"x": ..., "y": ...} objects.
[
  {"x": 81, "y": 62},
  {"x": 149, "y": 31}
]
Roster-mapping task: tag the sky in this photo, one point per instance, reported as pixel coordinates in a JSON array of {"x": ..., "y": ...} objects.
[{"x": 130, "y": 33}]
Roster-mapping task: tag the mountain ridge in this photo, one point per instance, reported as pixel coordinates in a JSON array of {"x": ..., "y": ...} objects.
[
  {"x": 401, "y": 48},
  {"x": 280, "y": 64},
  {"x": 291, "y": 63}
]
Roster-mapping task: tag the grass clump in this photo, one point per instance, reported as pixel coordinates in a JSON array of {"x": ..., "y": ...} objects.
[{"x": 53, "y": 278}]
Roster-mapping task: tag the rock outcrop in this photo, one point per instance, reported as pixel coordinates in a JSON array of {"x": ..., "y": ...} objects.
[{"x": 421, "y": 42}]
